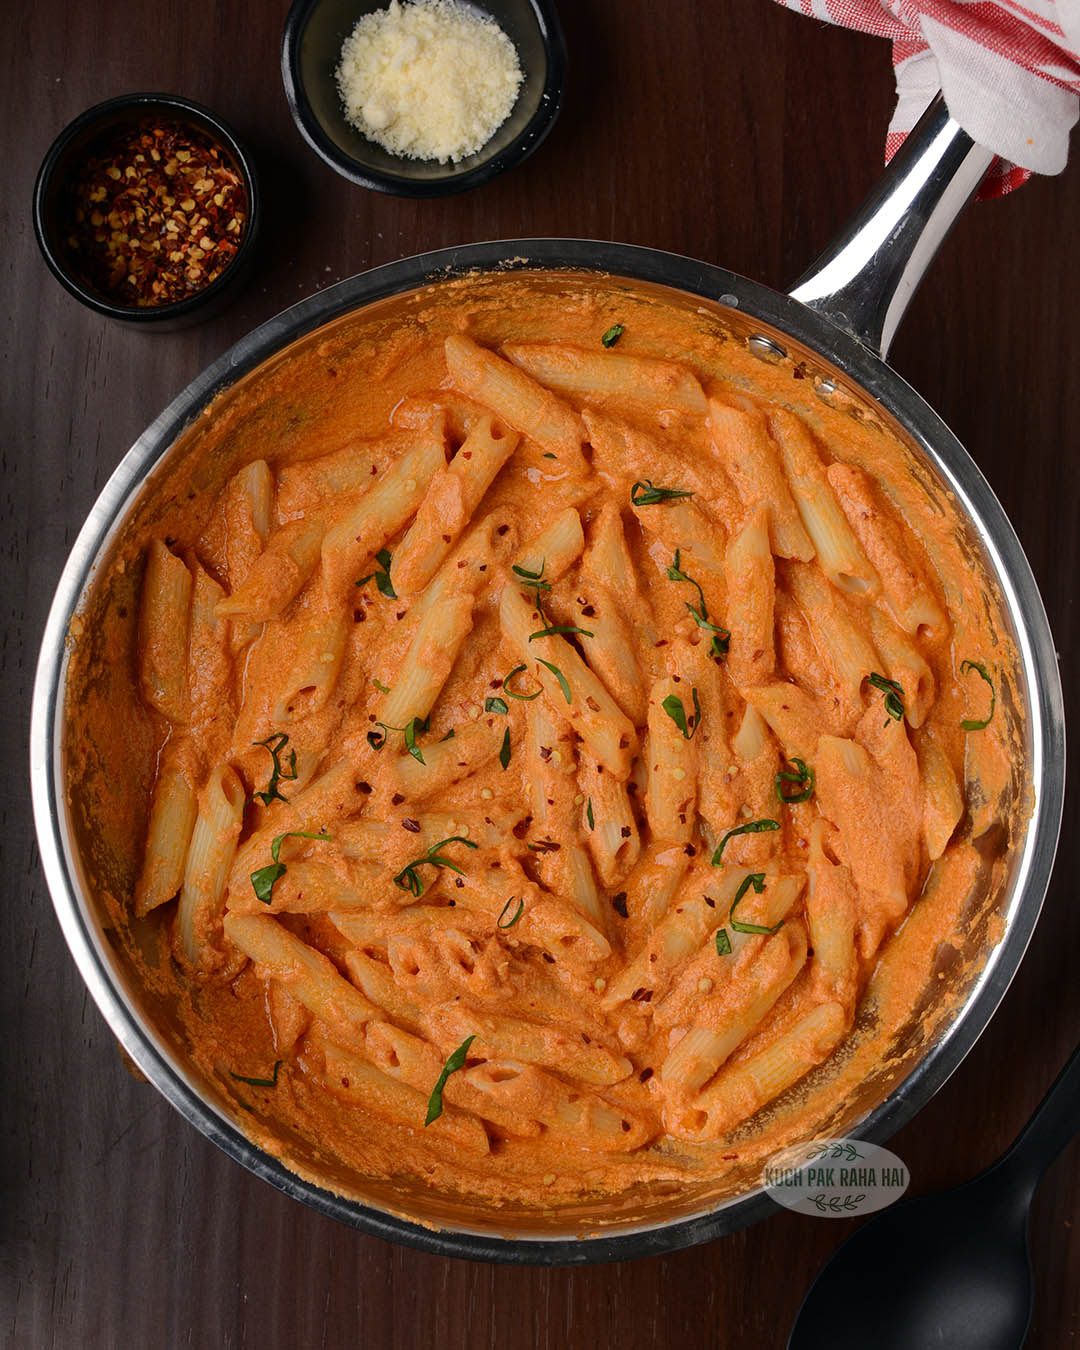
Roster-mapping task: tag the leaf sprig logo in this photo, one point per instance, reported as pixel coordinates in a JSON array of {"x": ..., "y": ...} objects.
[{"x": 835, "y": 1178}]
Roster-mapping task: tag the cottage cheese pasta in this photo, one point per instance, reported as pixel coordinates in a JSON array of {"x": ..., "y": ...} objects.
[{"x": 554, "y": 719}]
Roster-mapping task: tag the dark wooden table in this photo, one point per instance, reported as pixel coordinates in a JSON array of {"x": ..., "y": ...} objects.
[{"x": 730, "y": 131}]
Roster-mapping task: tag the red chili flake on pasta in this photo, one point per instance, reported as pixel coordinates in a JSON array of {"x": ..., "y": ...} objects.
[
  {"x": 413, "y": 826},
  {"x": 641, "y": 995},
  {"x": 618, "y": 904}
]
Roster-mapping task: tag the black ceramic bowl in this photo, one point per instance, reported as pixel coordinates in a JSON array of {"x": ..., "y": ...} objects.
[
  {"x": 64, "y": 160},
  {"x": 311, "y": 50}
]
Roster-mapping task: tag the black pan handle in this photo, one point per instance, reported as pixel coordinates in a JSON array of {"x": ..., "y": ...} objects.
[
  {"x": 1053, "y": 1125},
  {"x": 868, "y": 274}
]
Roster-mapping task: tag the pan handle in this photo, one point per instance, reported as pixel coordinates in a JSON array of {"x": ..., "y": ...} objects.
[{"x": 866, "y": 277}]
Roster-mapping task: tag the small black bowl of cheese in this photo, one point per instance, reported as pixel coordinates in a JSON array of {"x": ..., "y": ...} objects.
[{"x": 426, "y": 98}]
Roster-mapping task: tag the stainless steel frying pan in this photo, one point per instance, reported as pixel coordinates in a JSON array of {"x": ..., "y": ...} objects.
[{"x": 838, "y": 321}]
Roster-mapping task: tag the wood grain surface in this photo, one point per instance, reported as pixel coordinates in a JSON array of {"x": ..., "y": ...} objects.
[{"x": 728, "y": 130}]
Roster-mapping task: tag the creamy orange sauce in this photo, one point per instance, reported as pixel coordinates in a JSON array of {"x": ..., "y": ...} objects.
[{"x": 571, "y": 1090}]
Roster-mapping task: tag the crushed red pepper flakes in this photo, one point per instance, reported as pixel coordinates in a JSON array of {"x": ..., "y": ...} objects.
[{"x": 155, "y": 215}]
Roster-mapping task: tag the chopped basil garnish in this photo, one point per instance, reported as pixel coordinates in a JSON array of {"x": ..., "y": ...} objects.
[
  {"x": 757, "y": 881},
  {"x": 264, "y": 880},
  {"x": 512, "y": 693},
  {"x": 589, "y": 815},
  {"x": 718, "y": 647},
  {"x": 673, "y": 706},
  {"x": 643, "y": 493},
  {"x": 408, "y": 879},
  {"x": 559, "y": 676},
  {"x": 561, "y": 628},
  {"x": 723, "y": 942},
  {"x": 455, "y": 1062},
  {"x": 377, "y": 739},
  {"x": 381, "y": 575},
  {"x": 515, "y": 916},
  {"x": 504, "y": 749},
  {"x": 496, "y": 705},
  {"x": 276, "y": 744},
  {"x": 613, "y": 334},
  {"x": 971, "y": 724},
  {"x": 413, "y": 725},
  {"x": 803, "y": 776},
  {"x": 894, "y": 703},
  {"x": 536, "y": 580},
  {"x": 548, "y": 455},
  {"x": 751, "y": 827},
  {"x": 382, "y": 688},
  {"x": 259, "y": 1082},
  {"x": 533, "y": 578}
]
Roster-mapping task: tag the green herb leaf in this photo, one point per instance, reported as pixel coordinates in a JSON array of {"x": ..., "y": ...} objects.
[
  {"x": 377, "y": 739},
  {"x": 533, "y": 578},
  {"x": 718, "y": 647},
  {"x": 589, "y": 815},
  {"x": 448, "y": 737},
  {"x": 259, "y": 1082},
  {"x": 560, "y": 628},
  {"x": 536, "y": 580},
  {"x": 276, "y": 744},
  {"x": 381, "y": 575},
  {"x": 971, "y": 724},
  {"x": 408, "y": 879},
  {"x": 548, "y": 455},
  {"x": 613, "y": 334},
  {"x": 517, "y": 913},
  {"x": 673, "y": 706},
  {"x": 757, "y": 881},
  {"x": 723, "y": 942},
  {"x": 512, "y": 693},
  {"x": 893, "y": 692},
  {"x": 264, "y": 880},
  {"x": 278, "y": 839},
  {"x": 504, "y": 749},
  {"x": 643, "y": 493},
  {"x": 803, "y": 775},
  {"x": 558, "y": 675},
  {"x": 414, "y": 725},
  {"x": 496, "y": 705},
  {"x": 380, "y": 686},
  {"x": 455, "y": 1062},
  {"x": 751, "y": 827}
]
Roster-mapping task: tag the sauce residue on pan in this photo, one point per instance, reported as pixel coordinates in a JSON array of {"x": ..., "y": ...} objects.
[{"x": 573, "y": 923}]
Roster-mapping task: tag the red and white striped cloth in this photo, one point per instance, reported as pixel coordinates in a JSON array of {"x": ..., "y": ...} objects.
[{"x": 1010, "y": 72}]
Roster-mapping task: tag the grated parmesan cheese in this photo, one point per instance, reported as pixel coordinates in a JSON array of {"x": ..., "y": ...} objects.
[{"x": 428, "y": 80}]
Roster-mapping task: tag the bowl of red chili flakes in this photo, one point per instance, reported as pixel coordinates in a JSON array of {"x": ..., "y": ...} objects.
[{"x": 146, "y": 209}]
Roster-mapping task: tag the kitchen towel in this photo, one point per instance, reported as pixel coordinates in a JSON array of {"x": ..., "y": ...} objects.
[{"x": 1010, "y": 73}]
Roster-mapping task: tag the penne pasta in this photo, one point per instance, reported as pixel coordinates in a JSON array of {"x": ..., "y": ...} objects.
[
  {"x": 452, "y": 497},
  {"x": 206, "y": 868},
  {"x": 548, "y": 729},
  {"x": 602, "y": 375},
  {"x": 164, "y": 620},
  {"x": 838, "y": 551},
  {"x": 751, "y": 585},
  {"x": 518, "y": 400},
  {"x": 749, "y": 454}
]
